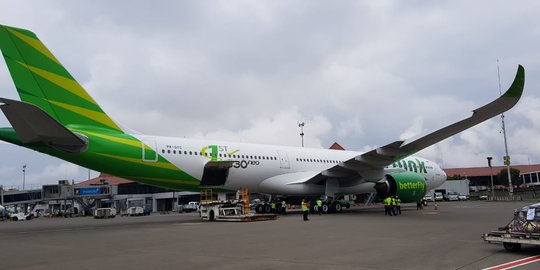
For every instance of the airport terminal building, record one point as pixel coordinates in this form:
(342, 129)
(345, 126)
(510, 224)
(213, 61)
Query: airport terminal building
(111, 191)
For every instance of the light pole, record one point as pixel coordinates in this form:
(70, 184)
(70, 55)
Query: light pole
(23, 175)
(301, 125)
(491, 174)
(506, 157)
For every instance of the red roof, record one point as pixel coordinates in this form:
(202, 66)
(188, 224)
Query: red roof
(483, 171)
(113, 180)
(336, 146)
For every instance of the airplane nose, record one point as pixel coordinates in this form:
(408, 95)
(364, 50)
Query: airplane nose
(441, 177)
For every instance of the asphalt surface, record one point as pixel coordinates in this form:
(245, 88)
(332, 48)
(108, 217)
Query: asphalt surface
(358, 238)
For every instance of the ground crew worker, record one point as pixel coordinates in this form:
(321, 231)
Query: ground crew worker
(305, 209)
(283, 207)
(319, 206)
(398, 205)
(273, 206)
(387, 203)
(393, 205)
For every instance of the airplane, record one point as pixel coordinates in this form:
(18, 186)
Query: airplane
(56, 116)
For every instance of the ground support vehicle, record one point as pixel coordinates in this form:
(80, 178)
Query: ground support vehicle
(105, 213)
(189, 207)
(452, 197)
(523, 229)
(230, 211)
(19, 216)
(136, 211)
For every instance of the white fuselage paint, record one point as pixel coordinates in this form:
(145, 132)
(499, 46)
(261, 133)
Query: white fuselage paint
(259, 167)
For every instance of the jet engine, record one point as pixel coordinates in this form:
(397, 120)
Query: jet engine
(408, 186)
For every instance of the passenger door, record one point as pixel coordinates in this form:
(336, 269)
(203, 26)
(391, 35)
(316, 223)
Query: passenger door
(148, 152)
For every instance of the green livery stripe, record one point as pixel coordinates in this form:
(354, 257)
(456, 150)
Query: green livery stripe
(99, 117)
(68, 84)
(34, 43)
(159, 164)
(131, 141)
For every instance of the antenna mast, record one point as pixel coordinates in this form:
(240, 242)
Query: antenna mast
(301, 126)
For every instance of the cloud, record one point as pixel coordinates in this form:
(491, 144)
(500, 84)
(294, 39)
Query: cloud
(281, 129)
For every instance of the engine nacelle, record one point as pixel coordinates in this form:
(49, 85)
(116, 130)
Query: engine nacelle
(408, 186)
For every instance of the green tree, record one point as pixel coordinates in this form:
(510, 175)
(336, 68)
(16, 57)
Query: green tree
(454, 177)
(502, 177)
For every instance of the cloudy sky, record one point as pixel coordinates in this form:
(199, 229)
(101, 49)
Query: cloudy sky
(361, 73)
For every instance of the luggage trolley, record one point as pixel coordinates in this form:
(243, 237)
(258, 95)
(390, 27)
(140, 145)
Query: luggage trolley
(524, 228)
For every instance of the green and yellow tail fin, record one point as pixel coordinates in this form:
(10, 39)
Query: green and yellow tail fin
(41, 80)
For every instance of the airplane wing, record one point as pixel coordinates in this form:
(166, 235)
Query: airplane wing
(371, 163)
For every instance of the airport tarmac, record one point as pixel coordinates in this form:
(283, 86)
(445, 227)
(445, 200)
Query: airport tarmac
(358, 238)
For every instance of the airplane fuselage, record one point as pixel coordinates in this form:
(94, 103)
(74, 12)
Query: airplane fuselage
(252, 165)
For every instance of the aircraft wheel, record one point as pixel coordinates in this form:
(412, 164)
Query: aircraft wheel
(325, 209)
(337, 207)
(512, 247)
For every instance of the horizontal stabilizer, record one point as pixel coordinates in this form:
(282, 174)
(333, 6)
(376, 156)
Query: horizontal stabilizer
(33, 125)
